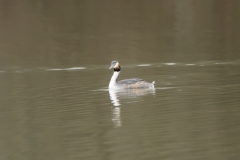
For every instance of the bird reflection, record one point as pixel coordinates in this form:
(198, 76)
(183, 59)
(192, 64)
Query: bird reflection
(116, 116)
(116, 95)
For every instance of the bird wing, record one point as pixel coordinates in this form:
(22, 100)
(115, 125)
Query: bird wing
(130, 81)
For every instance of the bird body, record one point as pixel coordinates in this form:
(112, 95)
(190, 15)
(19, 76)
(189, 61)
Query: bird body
(133, 83)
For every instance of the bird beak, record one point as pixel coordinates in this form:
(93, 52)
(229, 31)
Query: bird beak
(111, 66)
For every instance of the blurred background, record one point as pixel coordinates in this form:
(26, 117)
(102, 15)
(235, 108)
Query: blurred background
(54, 60)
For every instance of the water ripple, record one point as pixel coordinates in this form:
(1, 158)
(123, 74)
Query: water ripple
(65, 69)
(188, 64)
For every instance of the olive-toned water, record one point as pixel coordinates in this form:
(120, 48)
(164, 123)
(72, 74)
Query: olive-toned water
(54, 60)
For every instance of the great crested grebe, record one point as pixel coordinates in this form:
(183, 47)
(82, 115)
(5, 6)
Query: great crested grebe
(126, 83)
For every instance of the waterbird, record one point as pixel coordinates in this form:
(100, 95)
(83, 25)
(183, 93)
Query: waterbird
(133, 83)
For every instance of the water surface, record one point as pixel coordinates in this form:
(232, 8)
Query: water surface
(54, 60)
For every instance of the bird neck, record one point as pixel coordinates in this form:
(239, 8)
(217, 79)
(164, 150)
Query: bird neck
(114, 78)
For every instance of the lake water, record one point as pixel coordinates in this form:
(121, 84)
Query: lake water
(54, 98)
